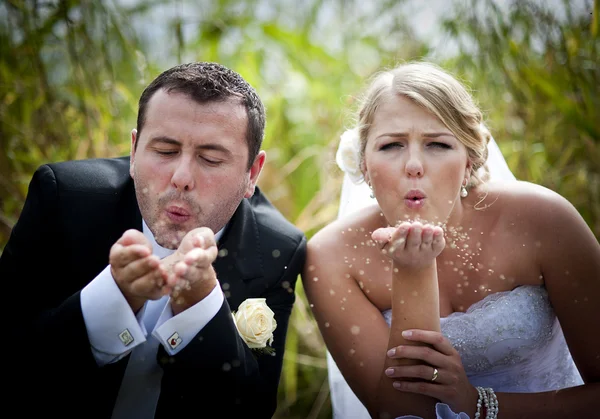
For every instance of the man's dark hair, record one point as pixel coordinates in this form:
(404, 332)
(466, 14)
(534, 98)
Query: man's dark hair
(205, 83)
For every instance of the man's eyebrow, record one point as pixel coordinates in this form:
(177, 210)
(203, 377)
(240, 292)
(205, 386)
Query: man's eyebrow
(164, 139)
(210, 146)
(215, 147)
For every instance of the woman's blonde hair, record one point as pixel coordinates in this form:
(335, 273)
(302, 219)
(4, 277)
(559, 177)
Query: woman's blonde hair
(432, 88)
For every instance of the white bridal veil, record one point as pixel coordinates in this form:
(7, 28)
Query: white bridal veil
(353, 197)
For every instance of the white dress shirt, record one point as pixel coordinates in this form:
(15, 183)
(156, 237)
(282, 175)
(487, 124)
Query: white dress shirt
(114, 331)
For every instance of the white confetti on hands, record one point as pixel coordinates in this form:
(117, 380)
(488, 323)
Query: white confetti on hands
(411, 244)
(195, 266)
(191, 275)
(135, 270)
(200, 238)
(191, 253)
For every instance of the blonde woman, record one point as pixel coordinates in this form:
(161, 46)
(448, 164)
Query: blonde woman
(450, 295)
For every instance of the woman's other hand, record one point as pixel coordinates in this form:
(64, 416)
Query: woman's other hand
(439, 374)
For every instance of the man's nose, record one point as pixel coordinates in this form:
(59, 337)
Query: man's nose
(183, 178)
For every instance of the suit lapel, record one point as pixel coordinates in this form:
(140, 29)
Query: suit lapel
(239, 259)
(134, 219)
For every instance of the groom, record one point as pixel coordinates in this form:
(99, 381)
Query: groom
(126, 271)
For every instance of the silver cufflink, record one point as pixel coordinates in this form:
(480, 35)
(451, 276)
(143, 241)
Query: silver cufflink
(126, 337)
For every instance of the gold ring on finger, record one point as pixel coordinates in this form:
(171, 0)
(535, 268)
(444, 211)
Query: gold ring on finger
(435, 375)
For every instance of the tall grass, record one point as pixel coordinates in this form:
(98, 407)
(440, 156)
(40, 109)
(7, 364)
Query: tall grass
(71, 72)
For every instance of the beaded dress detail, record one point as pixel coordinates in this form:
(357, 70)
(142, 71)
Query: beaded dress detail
(512, 341)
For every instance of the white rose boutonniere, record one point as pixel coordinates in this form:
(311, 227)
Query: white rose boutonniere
(255, 323)
(347, 155)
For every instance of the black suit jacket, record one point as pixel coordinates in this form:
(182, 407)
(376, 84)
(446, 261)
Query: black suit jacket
(73, 214)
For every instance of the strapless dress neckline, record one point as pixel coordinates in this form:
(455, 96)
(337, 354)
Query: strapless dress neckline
(511, 341)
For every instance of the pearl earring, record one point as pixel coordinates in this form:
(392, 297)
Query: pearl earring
(463, 192)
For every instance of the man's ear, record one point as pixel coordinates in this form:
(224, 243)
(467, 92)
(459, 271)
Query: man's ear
(254, 172)
(132, 151)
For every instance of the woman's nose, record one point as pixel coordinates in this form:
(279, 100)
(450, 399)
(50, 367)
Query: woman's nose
(414, 165)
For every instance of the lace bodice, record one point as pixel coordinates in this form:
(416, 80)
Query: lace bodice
(512, 341)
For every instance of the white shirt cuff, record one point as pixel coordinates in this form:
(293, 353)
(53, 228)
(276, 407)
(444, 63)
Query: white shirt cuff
(112, 327)
(174, 333)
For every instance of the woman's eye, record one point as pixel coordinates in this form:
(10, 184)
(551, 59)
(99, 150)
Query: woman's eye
(436, 144)
(390, 146)
(166, 152)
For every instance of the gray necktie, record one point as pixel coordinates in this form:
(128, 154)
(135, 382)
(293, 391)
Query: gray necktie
(140, 387)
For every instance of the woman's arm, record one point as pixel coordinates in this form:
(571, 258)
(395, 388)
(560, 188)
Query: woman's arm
(354, 329)
(568, 255)
(413, 248)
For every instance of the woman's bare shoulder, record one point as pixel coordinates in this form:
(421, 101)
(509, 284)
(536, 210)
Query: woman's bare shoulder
(521, 198)
(346, 230)
(529, 208)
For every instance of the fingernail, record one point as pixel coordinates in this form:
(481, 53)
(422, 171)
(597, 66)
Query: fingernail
(397, 384)
(389, 371)
(407, 333)
(391, 352)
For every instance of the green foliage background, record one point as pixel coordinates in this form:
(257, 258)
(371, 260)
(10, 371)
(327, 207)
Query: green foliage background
(71, 73)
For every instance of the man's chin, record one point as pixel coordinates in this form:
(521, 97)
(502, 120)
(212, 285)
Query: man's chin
(172, 245)
(170, 240)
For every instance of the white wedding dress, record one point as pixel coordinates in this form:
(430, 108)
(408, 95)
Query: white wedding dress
(510, 341)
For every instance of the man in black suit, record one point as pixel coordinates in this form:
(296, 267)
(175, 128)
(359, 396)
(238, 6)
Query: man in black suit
(128, 269)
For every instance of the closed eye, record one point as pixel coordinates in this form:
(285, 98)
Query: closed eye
(211, 162)
(389, 146)
(166, 152)
(436, 144)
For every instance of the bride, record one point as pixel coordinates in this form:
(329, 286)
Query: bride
(449, 293)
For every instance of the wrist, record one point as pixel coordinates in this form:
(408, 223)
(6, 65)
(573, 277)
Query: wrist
(183, 299)
(471, 407)
(136, 303)
(414, 272)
